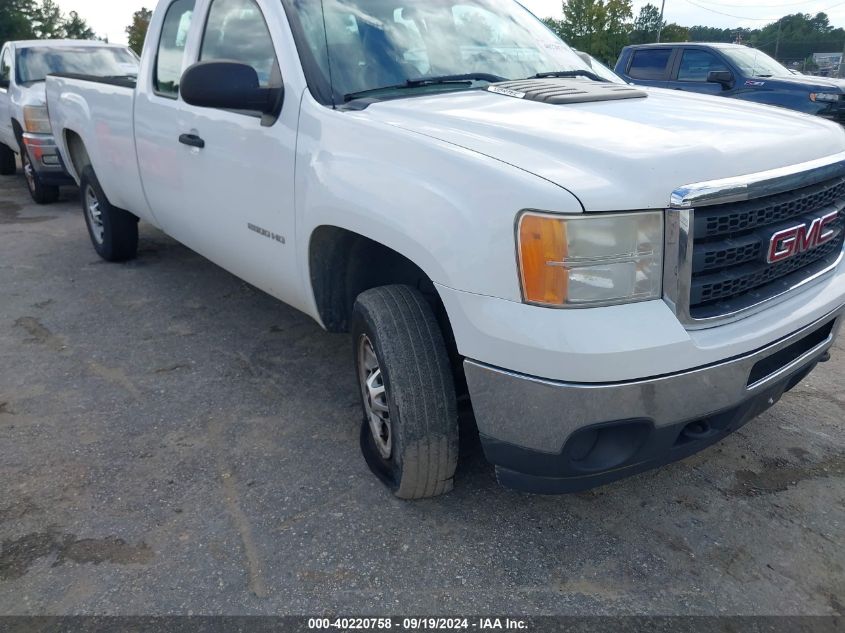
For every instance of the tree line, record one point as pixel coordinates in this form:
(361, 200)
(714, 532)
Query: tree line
(603, 27)
(599, 27)
(44, 20)
(33, 20)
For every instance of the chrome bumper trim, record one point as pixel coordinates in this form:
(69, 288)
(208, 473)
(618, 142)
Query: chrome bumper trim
(43, 145)
(541, 415)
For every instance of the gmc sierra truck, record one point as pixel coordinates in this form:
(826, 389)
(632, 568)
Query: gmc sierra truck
(614, 277)
(24, 125)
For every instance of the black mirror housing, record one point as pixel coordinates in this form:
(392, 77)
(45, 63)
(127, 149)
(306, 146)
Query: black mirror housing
(5, 84)
(229, 85)
(724, 78)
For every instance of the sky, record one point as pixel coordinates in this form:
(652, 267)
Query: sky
(111, 17)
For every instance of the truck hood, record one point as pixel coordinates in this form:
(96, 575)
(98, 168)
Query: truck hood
(801, 82)
(620, 155)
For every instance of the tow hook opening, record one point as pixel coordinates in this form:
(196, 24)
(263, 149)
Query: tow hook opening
(695, 432)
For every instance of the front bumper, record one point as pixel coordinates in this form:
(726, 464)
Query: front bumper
(46, 160)
(552, 437)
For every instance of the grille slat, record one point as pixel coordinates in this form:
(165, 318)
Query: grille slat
(731, 241)
(737, 218)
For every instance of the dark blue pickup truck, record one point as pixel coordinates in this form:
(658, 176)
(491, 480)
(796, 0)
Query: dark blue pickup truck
(732, 70)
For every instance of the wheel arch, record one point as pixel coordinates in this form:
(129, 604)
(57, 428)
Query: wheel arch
(17, 130)
(78, 155)
(343, 264)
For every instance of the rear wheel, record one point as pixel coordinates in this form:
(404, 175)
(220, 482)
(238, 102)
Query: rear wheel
(409, 435)
(113, 231)
(8, 166)
(41, 193)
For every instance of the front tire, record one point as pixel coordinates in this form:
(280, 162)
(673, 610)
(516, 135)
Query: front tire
(41, 193)
(409, 436)
(113, 231)
(8, 164)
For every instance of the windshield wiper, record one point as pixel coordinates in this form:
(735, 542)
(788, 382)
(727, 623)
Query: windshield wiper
(562, 74)
(428, 81)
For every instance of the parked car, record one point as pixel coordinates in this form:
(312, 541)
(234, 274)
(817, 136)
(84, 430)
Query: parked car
(732, 70)
(617, 279)
(24, 126)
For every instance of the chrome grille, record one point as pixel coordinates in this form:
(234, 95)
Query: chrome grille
(730, 243)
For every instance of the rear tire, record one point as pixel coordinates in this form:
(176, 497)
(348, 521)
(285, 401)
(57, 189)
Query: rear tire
(113, 231)
(8, 164)
(409, 436)
(41, 193)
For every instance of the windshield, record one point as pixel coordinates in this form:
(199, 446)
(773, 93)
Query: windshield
(600, 69)
(755, 63)
(380, 43)
(34, 64)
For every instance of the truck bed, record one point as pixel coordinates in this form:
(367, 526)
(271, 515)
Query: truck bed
(100, 112)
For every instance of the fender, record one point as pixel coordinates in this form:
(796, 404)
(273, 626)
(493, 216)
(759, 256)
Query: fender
(419, 196)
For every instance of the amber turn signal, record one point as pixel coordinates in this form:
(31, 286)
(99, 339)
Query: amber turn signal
(542, 251)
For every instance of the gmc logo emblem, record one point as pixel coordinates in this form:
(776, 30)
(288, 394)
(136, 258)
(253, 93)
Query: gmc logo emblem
(800, 239)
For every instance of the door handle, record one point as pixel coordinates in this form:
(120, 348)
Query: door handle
(192, 140)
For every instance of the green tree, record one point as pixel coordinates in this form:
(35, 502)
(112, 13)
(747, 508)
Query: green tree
(714, 34)
(29, 19)
(48, 20)
(582, 19)
(554, 25)
(616, 30)
(15, 23)
(137, 31)
(675, 33)
(798, 36)
(597, 27)
(75, 28)
(646, 26)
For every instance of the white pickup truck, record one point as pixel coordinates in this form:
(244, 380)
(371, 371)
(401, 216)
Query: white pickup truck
(615, 277)
(24, 125)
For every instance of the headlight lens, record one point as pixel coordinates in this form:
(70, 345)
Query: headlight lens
(36, 120)
(824, 96)
(591, 260)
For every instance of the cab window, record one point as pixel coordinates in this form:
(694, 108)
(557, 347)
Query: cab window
(696, 65)
(171, 48)
(236, 31)
(5, 68)
(650, 63)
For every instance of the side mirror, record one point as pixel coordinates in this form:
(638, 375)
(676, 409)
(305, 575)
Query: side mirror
(229, 86)
(5, 83)
(724, 78)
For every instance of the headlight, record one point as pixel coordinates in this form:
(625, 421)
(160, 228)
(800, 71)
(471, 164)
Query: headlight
(36, 120)
(590, 260)
(824, 96)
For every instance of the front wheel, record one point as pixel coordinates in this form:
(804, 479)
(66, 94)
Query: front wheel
(41, 193)
(409, 436)
(113, 231)
(8, 165)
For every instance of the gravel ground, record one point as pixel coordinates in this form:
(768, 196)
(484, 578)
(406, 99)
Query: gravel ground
(173, 441)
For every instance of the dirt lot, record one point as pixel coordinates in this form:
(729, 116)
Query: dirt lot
(174, 441)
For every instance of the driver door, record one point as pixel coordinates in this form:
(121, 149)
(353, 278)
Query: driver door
(694, 67)
(239, 210)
